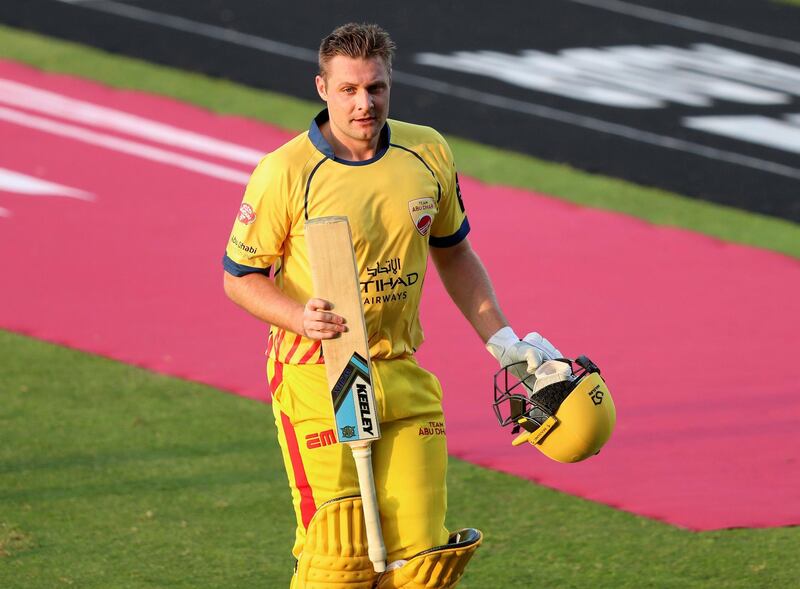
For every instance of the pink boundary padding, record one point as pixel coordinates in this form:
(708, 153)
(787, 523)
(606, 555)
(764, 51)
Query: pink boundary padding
(695, 336)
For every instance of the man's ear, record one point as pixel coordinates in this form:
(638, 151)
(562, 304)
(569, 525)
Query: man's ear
(320, 82)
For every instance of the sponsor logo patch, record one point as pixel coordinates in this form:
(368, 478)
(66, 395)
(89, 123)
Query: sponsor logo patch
(388, 283)
(320, 439)
(458, 195)
(353, 402)
(422, 211)
(432, 428)
(596, 395)
(246, 214)
(243, 246)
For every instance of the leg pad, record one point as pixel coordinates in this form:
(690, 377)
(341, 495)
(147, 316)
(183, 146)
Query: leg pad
(436, 568)
(335, 552)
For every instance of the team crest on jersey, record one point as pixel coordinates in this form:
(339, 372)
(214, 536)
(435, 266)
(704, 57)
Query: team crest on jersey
(246, 214)
(422, 211)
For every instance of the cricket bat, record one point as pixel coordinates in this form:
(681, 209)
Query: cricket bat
(334, 274)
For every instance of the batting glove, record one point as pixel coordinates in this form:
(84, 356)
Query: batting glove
(533, 350)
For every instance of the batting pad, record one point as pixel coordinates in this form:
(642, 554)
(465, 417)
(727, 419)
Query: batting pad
(437, 568)
(335, 552)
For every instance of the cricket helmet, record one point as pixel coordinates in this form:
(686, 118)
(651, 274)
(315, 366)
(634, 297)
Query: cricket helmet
(564, 408)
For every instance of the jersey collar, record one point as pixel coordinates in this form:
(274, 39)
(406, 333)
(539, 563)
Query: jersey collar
(319, 141)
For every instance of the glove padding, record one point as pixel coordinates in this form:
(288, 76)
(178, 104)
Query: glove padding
(533, 349)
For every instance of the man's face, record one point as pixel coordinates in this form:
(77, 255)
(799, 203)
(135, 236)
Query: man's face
(357, 93)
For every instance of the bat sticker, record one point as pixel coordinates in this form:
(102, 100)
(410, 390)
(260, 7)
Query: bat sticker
(352, 402)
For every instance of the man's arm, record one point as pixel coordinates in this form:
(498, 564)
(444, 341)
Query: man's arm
(259, 296)
(468, 284)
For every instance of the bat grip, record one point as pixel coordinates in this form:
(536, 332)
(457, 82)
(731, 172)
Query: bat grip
(362, 454)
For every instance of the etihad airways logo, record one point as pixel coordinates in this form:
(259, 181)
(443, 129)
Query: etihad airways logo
(387, 283)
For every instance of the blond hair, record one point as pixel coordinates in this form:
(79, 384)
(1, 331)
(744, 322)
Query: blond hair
(358, 41)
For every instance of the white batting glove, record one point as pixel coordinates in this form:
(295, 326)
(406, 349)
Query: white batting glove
(508, 349)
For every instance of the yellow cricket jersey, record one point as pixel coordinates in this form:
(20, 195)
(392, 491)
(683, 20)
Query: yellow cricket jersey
(398, 203)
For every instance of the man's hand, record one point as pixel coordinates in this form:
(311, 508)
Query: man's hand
(508, 349)
(319, 322)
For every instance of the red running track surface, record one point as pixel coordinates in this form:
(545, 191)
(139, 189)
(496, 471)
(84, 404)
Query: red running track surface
(119, 255)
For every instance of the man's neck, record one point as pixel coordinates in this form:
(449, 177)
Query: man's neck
(350, 149)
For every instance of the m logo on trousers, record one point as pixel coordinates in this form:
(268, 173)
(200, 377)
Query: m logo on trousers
(320, 439)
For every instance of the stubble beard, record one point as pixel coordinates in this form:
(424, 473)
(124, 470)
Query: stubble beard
(360, 133)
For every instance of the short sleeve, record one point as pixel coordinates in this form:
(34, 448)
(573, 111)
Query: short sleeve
(262, 222)
(451, 225)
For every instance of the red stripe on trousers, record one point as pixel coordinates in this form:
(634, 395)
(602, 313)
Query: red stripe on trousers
(276, 378)
(311, 351)
(279, 343)
(293, 349)
(307, 505)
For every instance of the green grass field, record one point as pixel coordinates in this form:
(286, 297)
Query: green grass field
(114, 477)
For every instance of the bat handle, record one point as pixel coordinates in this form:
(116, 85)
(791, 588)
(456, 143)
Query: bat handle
(362, 454)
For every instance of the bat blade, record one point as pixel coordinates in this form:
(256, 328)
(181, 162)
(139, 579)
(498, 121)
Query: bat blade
(334, 274)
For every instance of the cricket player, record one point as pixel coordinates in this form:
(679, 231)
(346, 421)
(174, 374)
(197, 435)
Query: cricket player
(397, 184)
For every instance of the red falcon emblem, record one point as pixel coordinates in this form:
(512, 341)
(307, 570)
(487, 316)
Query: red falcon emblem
(424, 224)
(246, 214)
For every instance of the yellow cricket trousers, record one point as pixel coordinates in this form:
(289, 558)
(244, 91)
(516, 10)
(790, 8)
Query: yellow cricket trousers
(409, 461)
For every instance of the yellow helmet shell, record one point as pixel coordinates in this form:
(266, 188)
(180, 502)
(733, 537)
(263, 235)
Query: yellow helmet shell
(584, 422)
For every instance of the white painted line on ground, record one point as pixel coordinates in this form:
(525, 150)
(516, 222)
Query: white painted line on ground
(124, 146)
(451, 90)
(634, 76)
(11, 181)
(199, 28)
(56, 105)
(774, 133)
(694, 24)
(603, 126)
